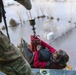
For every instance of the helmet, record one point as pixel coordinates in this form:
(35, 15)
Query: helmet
(63, 59)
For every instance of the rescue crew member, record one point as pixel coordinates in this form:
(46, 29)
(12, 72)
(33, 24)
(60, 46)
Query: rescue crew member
(12, 61)
(46, 56)
(57, 60)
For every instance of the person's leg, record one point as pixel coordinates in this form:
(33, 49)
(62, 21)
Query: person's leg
(27, 52)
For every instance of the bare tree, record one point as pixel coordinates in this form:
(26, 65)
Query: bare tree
(20, 17)
(49, 12)
(42, 10)
(38, 12)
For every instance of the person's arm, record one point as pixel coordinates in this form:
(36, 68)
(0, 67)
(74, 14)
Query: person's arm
(37, 63)
(48, 46)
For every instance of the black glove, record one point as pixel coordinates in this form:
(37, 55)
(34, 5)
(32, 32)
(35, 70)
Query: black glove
(49, 63)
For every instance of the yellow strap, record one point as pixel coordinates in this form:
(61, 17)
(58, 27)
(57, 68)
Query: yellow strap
(69, 68)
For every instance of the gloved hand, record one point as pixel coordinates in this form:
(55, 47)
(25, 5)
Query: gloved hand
(51, 58)
(49, 63)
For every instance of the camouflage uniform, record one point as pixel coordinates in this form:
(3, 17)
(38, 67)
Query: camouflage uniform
(12, 62)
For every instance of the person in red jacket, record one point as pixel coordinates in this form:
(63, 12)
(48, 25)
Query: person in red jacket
(57, 60)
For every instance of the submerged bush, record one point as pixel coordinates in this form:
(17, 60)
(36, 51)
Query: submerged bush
(3, 27)
(51, 18)
(58, 19)
(13, 23)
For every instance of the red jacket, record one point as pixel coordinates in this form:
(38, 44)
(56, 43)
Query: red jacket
(39, 64)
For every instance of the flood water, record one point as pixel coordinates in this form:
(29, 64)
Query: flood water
(66, 42)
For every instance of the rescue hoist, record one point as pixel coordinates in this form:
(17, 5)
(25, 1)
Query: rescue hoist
(34, 40)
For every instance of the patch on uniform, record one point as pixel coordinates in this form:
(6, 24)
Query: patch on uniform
(44, 72)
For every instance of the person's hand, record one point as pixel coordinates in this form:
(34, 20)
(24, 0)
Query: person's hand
(52, 59)
(38, 47)
(38, 36)
(49, 63)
